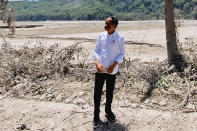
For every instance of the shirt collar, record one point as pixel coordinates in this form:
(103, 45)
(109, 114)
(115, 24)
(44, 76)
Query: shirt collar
(111, 35)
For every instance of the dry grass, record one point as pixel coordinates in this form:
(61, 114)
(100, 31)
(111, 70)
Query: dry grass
(143, 81)
(30, 72)
(35, 64)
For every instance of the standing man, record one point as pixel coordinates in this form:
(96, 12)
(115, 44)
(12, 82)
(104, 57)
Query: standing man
(109, 51)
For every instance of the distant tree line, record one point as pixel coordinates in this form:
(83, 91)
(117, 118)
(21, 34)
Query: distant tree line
(100, 9)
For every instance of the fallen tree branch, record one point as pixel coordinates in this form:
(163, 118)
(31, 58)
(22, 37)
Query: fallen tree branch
(186, 99)
(171, 69)
(81, 124)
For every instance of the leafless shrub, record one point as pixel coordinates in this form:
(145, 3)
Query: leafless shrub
(27, 72)
(152, 78)
(150, 74)
(35, 64)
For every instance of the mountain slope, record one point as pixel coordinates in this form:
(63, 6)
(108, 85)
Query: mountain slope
(100, 9)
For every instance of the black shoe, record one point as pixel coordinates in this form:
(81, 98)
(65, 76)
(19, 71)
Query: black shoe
(110, 117)
(96, 123)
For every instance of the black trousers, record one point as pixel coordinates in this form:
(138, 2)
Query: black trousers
(110, 84)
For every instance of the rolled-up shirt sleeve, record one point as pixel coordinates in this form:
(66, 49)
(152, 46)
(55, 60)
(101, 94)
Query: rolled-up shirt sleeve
(120, 56)
(97, 49)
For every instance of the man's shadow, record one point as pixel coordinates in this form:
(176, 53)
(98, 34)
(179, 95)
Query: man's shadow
(113, 127)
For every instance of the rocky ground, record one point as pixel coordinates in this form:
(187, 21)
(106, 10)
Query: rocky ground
(18, 114)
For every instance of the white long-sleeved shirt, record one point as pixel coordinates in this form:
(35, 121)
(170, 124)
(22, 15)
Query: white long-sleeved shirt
(109, 49)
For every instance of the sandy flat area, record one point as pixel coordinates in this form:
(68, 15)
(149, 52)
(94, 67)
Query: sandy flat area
(144, 39)
(48, 116)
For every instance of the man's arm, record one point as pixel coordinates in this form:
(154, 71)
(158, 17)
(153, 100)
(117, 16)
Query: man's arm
(120, 56)
(96, 56)
(97, 49)
(111, 68)
(99, 67)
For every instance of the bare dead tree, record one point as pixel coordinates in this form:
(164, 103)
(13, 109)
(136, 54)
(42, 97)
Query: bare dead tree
(175, 59)
(10, 21)
(7, 15)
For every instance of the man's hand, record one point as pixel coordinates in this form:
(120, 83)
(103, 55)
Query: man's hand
(99, 67)
(111, 68)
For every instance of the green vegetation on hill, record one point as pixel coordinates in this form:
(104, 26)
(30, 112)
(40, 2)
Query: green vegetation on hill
(100, 9)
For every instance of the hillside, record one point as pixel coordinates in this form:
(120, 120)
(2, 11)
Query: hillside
(99, 9)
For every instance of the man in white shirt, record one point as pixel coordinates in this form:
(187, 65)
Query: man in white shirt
(109, 51)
